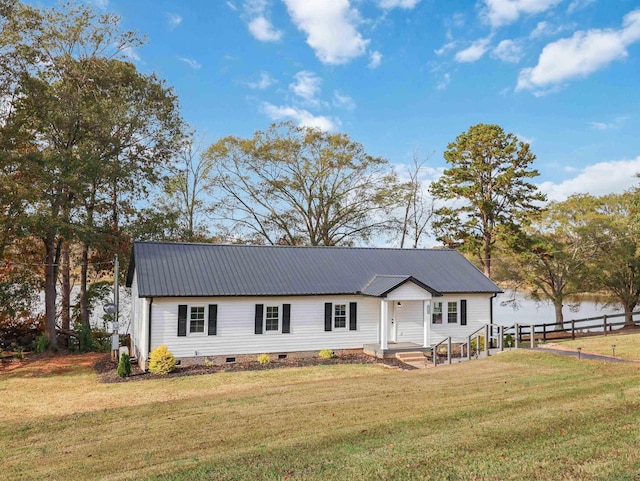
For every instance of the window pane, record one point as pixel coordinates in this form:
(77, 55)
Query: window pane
(271, 319)
(340, 315)
(452, 312)
(437, 313)
(196, 322)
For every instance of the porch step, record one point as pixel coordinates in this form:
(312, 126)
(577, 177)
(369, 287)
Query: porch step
(415, 358)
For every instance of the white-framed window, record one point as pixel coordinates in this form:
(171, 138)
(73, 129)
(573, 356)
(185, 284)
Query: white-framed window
(272, 318)
(437, 313)
(452, 312)
(196, 320)
(340, 316)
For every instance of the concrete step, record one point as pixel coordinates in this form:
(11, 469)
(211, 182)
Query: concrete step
(409, 357)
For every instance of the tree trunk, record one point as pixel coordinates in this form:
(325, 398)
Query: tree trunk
(84, 268)
(628, 318)
(65, 315)
(557, 304)
(52, 255)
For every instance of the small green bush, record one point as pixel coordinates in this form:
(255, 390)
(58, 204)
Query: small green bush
(124, 366)
(264, 359)
(41, 343)
(85, 337)
(161, 361)
(509, 341)
(208, 363)
(18, 353)
(326, 354)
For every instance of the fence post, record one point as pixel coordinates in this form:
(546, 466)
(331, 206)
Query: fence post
(573, 329)
(532, 337)
(486, 339)
(449, 350)
(544, 333)
(469, 348)
(517, 336)
(604, 318)
(435, 356)
(501, 338)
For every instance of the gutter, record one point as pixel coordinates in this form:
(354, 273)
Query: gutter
(491, 307)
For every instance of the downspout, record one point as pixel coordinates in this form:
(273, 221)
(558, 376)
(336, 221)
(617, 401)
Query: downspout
(491, 307)
(149, 324)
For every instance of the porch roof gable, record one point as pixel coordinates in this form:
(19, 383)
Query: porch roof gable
(381, 285)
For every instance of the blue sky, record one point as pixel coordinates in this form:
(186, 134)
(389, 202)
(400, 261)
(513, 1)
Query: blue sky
(400, 75)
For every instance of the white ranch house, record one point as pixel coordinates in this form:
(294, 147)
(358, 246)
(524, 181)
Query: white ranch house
(226, 302)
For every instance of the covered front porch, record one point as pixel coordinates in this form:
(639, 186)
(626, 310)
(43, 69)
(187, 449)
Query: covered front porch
(405, 315)
(394, 348)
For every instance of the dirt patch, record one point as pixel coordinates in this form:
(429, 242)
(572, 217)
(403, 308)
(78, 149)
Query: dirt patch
(106, 368)
(52, 363)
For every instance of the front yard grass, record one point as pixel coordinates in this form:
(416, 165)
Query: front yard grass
(627, 345)
(519, 415)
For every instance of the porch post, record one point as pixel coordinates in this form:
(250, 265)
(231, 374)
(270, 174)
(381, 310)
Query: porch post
(384, 345)
(425, 322)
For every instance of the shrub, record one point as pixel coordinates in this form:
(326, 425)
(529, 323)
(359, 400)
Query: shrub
(326, 354)
(18, 353)
(208, 363)
(264, 359)
(474, 344)
(161, 361)
(85, 337)
(41, 343)
(124, 366)
(509, 341)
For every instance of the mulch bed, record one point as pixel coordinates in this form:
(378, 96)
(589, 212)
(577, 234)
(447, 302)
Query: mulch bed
(106, 368)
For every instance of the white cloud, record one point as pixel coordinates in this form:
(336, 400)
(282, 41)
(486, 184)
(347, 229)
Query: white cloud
(578, 5)
(174, 20)
(304, 118)
(508, 51)
(232, 6)
(614, 124)
(343, 101)
(330, 28)
(445, 48)
(191, 62)
(598, 179)
(474, 52)
(262, 30)
(503, 12)
(306, 85)
(101, 4)
(375, 58)
(581, 54)
(444, 82)
(541, 30)
(525, 139)
(389, 4)
(264, 82)
(130, 53)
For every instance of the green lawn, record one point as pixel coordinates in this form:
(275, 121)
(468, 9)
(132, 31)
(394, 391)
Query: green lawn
(517, 415)
(627, 345)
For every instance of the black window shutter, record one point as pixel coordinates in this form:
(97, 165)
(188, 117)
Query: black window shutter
(328, 307)
(259, 310)
(353, 316)
(213, 320)
(463, 312)
(286, 318)
(182, 320)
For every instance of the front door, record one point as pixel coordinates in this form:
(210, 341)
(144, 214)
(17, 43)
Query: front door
(392, 325)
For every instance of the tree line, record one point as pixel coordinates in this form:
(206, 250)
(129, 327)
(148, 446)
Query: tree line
(95, 154)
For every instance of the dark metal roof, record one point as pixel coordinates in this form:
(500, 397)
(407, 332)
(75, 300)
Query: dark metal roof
(166, 269)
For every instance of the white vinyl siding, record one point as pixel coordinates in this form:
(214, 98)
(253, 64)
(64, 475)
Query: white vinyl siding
(478, 314)
(236, 326)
